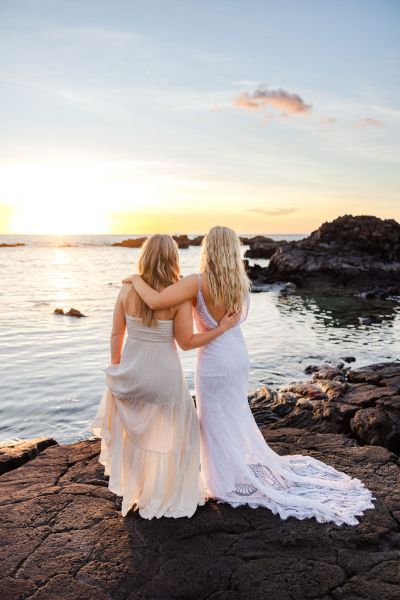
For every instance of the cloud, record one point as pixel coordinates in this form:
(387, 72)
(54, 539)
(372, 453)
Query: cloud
(281, 99)
(278, 212)
(327, 120)
(368, 122)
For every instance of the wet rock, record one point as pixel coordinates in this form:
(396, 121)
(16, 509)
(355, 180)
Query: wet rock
(196, 241)
(12, 245)
(63, 536)
(255, 239)
(379, 293)
(73, 312)
(339, 400)
(378, 427)
(182, 240)
(311, 369)
(349, 359)
(288, 289)
(353, 252)
(263, 248)
(370, 319)
(15, 454)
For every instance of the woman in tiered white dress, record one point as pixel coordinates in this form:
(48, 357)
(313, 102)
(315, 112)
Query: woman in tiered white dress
(146, 419)
(237, 464)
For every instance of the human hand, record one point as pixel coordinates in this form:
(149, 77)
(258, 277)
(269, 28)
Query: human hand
(130, 278)
(230, 320)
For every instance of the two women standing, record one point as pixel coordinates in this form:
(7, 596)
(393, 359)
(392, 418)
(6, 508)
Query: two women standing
(151, 447)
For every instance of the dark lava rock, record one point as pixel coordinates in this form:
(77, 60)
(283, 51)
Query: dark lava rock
(349, 359)
(362, 403)
(355, 252)
(262, 247)
(370, 319)
(182, 240)
(380, 293)
(311, 369)
(16, 454)
(73, 312)
(63, 536)
(196, 241)
(131, 243)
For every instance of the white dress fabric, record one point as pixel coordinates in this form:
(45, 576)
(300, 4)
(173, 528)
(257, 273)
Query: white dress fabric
(148, 426)
(238, 467)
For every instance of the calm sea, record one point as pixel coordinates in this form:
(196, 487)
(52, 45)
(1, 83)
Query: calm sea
(51, 366)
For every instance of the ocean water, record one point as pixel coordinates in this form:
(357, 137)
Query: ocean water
(51, 366)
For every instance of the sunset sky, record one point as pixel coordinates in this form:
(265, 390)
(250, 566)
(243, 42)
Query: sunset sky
(173, 116)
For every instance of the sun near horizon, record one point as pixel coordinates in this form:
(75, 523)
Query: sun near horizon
(137, 121)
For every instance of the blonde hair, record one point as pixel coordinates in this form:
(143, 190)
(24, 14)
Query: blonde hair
(222, 263)
(158, 265)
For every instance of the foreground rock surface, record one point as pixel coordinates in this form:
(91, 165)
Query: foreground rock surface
(63, 536)
(15, 455)
(364, 403)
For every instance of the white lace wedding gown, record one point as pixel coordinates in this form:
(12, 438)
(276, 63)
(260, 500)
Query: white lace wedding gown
(238, 467)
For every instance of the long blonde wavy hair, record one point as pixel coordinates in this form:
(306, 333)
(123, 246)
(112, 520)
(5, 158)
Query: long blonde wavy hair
(158, 265)
(222, 263)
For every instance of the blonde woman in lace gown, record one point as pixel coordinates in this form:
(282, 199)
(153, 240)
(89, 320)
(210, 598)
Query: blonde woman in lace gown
(237, 464)
(146, 419)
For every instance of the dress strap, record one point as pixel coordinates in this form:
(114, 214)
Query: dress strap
(199, 281)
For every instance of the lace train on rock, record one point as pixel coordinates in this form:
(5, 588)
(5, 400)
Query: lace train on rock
(238, 466)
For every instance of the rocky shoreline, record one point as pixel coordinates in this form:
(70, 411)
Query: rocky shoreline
(63, 536)
(356, 253)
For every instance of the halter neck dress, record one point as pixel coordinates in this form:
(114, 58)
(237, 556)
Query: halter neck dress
(148, 426)
(238, 467)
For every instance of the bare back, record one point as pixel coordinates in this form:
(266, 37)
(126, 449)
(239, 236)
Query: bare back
(131, 302)
(217, 312)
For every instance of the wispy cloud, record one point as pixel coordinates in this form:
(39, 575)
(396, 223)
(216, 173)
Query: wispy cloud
(277, 212)
(284, 101)
(327, 120)
(368, 122)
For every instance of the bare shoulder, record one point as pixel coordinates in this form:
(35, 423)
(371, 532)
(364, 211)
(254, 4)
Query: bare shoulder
(125, 290)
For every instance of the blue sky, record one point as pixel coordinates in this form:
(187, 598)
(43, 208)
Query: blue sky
(174, 116)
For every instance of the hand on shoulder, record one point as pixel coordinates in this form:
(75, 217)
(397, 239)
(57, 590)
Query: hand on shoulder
(130, 278)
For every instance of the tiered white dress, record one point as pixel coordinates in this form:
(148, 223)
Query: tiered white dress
(148, 426)
(238, 466)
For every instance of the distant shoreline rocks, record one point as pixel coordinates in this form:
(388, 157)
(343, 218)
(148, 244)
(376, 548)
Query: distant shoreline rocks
(259, 244)
(12, 245)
